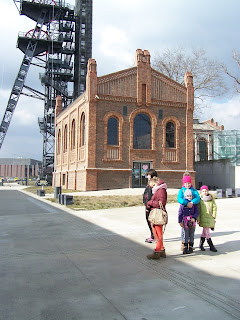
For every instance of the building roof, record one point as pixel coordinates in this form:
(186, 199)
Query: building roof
(207, 125)
(204, 127)
(19, 161)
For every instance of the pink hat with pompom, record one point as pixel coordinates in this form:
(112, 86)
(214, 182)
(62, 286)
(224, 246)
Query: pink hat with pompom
(204, 187)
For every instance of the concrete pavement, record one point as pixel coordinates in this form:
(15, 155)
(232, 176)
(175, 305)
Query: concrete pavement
(57, 263)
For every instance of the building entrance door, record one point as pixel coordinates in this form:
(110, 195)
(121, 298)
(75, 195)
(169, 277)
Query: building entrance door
(139, 174)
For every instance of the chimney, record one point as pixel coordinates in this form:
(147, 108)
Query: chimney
(144, 80)
(188, 80)
(91, 80)
(58, 106)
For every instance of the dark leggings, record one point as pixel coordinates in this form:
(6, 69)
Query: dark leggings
(149, 223)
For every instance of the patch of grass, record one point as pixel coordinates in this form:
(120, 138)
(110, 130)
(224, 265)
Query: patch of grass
(48, 189)
(107, 202)
(33, 189)
(97, 203)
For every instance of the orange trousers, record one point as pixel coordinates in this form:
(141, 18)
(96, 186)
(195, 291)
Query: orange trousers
(158, 235)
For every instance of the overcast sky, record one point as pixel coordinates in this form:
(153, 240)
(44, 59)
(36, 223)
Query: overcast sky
(119, 28)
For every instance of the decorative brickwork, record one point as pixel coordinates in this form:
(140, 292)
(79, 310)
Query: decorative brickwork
(166, 89)
(124, 119)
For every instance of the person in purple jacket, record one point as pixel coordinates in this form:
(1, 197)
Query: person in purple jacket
(187, 219)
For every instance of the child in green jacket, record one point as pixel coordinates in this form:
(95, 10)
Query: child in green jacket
(206, 218)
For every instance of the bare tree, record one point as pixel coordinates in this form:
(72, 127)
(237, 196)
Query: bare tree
(207, 73)
(234, 77)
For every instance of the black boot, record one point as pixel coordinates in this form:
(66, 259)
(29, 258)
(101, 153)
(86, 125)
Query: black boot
(212, 248)
(185, 250)
(190, 249)
(202, 240)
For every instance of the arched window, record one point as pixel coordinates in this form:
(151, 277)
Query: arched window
(82, 130)
(170, 135)
(142, 132)
(65, 139)
(202, 150)
(59, 142)
(73, 135)
(112, 131)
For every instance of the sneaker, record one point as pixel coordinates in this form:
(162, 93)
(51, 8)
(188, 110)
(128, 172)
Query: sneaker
(149, 240)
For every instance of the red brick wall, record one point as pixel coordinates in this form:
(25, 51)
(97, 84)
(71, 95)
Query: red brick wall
(108, 99)
(113, 179)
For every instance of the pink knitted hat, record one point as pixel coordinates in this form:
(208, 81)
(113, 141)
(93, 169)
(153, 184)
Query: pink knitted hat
(186, 179)
(204, 187)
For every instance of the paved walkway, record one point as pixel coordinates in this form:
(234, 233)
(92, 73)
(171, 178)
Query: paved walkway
(57, 263)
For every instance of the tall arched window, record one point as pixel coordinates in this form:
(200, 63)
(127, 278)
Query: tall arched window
(170, 135)
(65, 139)
(73, 135)
(59, 142)
(202, 150)
(142, 132)
(112, 131)
(82, 130)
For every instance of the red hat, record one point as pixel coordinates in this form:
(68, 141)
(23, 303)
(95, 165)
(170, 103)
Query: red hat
(186, 179)
(204, 187)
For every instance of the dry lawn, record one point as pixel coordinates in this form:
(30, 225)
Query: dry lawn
(106, 202)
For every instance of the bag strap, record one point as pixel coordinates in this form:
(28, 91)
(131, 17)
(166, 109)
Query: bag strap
(161, 205)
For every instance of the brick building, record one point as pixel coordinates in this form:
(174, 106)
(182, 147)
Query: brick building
(123, 124)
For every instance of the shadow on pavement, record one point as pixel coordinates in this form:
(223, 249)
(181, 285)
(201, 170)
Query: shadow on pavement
(59, 266)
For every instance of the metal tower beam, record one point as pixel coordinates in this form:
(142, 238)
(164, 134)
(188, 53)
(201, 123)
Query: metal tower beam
(83, 44)
(21, 77)
(65, 42)
(35, 93)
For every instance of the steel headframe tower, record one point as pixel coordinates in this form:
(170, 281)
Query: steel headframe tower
(61, 38)
(83, 44)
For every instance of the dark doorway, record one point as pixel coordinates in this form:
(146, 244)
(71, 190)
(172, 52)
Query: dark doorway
(139, 174)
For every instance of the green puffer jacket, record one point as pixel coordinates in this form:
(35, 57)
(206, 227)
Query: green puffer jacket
(205, 218)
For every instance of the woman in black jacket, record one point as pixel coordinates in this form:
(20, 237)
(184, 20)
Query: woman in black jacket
(147, 195)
